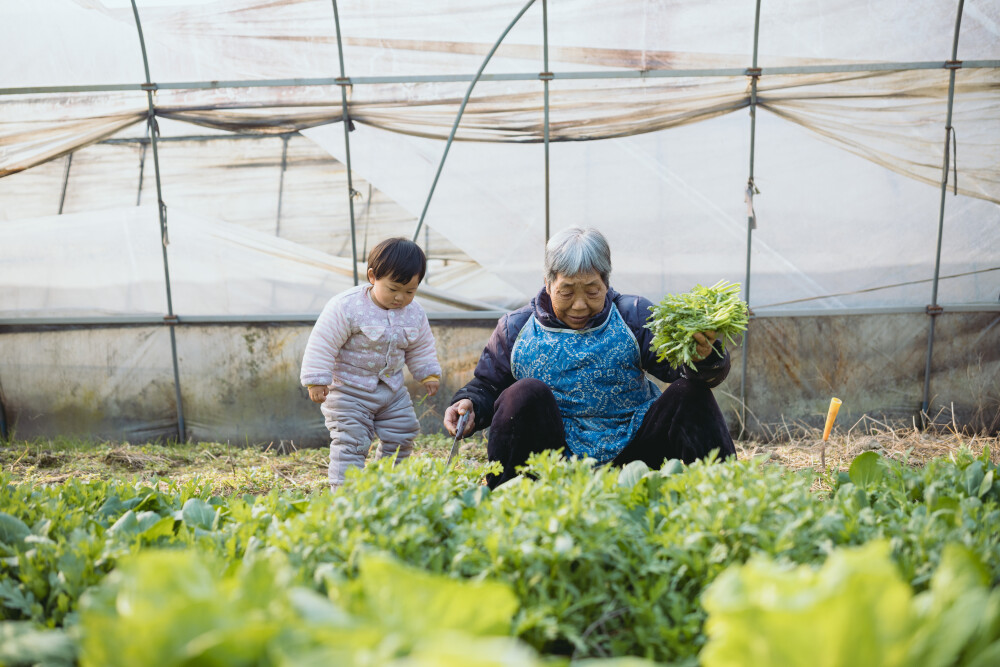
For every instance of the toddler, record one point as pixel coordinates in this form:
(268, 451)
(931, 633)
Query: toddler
(353, 363)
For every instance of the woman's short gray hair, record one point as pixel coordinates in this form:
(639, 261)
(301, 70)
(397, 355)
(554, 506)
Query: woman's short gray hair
(574, 251)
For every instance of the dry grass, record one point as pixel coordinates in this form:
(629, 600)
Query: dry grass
(126, 457)
(799, 447)
(804, 447)
(231, 469)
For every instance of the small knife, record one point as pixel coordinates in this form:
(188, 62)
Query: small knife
(458, 436)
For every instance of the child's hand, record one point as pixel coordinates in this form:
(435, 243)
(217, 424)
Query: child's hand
(432, 387)
(318, 392)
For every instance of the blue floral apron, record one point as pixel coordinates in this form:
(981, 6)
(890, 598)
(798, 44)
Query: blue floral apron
(601, 391)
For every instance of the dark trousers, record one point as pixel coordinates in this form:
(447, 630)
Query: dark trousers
(684, 423)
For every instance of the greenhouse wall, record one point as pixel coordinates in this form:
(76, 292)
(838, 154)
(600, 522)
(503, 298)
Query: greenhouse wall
(239, 383)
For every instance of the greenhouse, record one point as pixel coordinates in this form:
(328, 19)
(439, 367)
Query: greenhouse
(190, 191)
(184, 184)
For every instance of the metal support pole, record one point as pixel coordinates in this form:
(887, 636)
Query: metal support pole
(461, 110)
(751, 222)
(546, 77)
(933, 310)
(281, 182)
(652, 73)
(368, 219)
(170, 318)
(343, 82)
(4, 431)
(142, 169)
(62, 197)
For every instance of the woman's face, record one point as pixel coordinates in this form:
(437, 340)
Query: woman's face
(575, 299)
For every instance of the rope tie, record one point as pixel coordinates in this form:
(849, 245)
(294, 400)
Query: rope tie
(748, 198)
(163, 216)
(951, 161)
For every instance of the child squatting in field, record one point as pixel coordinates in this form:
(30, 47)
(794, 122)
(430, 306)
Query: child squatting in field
(353, 363)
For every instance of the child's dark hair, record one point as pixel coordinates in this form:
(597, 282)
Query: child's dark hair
(399, 259)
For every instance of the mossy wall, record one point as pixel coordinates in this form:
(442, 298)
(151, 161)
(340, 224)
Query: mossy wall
(239, 383)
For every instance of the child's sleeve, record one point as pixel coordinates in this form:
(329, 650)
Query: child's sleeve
(331, 331)
(421, 355)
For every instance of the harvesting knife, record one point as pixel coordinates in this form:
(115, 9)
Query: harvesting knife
(458, 436)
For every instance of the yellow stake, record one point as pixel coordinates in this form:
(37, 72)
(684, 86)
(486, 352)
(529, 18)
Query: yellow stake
(831, 415)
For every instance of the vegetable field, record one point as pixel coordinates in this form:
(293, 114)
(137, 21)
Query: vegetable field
(212, 555)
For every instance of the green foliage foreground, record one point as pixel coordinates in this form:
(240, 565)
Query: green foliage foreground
(422, 565)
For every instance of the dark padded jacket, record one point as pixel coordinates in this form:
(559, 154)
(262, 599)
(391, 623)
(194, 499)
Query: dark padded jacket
(493, 373)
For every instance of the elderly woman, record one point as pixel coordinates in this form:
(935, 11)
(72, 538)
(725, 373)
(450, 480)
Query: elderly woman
(567, 372)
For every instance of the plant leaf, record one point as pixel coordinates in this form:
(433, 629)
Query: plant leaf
(631, 473)
(196, 513)
(12, 530)
(865, 470)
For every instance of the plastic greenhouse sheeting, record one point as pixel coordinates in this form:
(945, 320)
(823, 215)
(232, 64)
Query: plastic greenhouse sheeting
(217, 268)
(847, 161)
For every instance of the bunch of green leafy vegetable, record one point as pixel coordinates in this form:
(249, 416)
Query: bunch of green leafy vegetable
(678, 317)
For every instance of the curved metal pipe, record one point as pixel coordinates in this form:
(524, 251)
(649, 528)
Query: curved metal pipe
(281, 183)
(346, 121)
(151, 123)
(547, 74)
(751, 223)
(933, 310)
(461, 110)
(65, 185)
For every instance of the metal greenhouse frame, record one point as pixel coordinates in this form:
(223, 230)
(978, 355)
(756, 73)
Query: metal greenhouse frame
(753, 74)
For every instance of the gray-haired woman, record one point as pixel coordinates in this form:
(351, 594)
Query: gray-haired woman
(567, 372)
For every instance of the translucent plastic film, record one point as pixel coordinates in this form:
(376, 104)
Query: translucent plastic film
(885, 116)
(649, 122)
(112, 262)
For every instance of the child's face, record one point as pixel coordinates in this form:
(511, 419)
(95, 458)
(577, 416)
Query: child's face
(389, 294)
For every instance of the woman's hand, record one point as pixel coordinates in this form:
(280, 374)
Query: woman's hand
(318, 392)
(704, 340)
(455, 411)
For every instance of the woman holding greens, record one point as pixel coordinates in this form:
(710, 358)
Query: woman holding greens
(567, 372)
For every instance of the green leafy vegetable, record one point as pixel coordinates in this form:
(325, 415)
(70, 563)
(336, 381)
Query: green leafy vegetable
(854, 610)
(865, 471)
(12, 530)
(632, 473)
(181, 607)
(678, 317)
(601, 561)
(21, 643)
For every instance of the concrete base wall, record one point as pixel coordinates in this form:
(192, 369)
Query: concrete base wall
(875, 364)
(239, 383)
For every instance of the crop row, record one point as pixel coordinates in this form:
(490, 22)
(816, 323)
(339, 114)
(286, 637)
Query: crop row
(571, 561)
